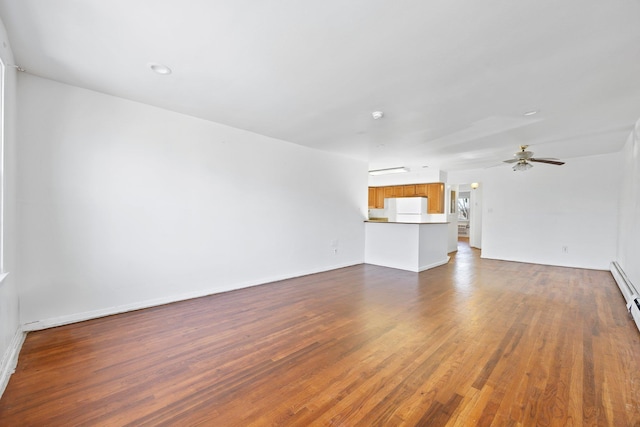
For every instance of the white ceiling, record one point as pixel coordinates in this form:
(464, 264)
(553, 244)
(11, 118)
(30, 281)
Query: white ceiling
(452, 77)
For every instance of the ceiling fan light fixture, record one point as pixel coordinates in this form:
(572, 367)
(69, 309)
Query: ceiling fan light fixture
(522, 166)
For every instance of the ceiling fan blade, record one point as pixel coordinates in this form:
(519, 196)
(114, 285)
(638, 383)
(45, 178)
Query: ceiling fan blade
(511, 161)
(549, 161)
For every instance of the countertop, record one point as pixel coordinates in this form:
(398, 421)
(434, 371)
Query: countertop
(400, 222)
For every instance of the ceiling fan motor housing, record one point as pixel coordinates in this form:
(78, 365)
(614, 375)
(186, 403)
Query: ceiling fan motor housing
(523, 155)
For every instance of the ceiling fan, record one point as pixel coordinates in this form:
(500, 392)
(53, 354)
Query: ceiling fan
(523, 158)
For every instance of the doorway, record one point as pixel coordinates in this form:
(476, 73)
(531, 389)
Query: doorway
(469, 207)
(464, 206)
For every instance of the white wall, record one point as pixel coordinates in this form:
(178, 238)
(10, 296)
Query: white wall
(628, 255)
(10, 332)
(125, 205)
(466, 177)
(530, 216)
(418, 176)
(475, 220)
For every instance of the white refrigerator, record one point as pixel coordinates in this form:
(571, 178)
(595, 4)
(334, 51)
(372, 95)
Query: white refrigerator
(407, 209)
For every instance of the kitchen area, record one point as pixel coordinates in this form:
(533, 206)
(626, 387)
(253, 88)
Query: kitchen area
(408, 226)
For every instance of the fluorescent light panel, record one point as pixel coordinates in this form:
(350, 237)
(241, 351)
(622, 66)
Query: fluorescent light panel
(388, 171)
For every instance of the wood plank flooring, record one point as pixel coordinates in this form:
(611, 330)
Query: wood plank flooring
(474, 342)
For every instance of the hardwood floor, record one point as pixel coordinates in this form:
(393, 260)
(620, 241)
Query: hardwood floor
(474, 342)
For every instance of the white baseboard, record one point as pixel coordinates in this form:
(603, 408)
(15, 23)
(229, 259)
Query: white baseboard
(108, 311)
(10, 359)
(626, 287)
(628, 290)
(634, 310)
(435, 264)
(598, 267)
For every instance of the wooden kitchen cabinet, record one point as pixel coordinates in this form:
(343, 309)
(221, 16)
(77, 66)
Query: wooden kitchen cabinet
(380, 198)
(433, 191)
(372, 197)
(436, 197)
(421, 190)
(409, 190)
(376, 197)
(398, 191)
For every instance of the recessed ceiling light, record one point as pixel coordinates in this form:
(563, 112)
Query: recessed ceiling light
(530, 113)
(160, 69)
(377, 115)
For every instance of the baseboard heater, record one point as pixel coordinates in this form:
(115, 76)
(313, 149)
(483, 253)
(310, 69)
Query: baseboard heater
(629, 291)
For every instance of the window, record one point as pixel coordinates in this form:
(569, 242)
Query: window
(463, 208)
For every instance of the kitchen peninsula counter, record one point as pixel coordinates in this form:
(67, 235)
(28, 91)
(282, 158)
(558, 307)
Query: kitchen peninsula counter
(412, 246)
(404, 222)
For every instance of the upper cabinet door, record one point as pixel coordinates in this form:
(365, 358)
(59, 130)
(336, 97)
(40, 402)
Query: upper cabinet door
(388, 192)
(379, 197)
(409, 190)
(376, 197)
(436, 197)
